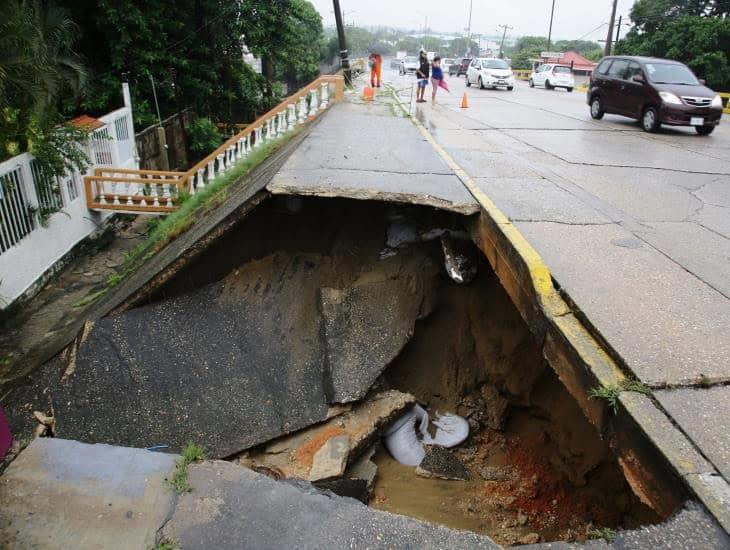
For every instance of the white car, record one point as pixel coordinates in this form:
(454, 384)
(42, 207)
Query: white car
(551, 76)
(490, 72)
(410, 65)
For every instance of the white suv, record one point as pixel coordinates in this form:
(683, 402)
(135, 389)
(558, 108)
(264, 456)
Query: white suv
(488, 72)
(552, 76)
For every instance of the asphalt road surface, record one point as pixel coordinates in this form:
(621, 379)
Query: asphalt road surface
(634, 226)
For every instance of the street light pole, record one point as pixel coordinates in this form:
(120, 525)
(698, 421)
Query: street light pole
(550, 31)
(343, 43)
(611, 23)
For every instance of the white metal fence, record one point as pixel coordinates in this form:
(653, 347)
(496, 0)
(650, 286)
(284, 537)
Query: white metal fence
(42, 217)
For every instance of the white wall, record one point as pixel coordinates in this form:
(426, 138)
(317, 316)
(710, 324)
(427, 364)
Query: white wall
(25, 263)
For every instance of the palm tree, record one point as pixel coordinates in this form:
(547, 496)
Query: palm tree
(37, 66)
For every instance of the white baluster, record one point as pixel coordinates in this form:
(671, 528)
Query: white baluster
(168, 194)
(231, 157)
(114, 192)
(221, 163)
(257, 141)
(130, 187)
(200, 181)
(302, 110)
(102, 193)
(211, 170)
(325, 96)
(241, 147)
(155, 194)
(291, 115)
(313, 105)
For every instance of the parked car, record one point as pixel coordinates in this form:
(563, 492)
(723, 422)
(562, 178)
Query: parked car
(447, 64)
(550, 76)
(395, 63)
(409, 65)
(463, 66)
(653, 91)
(490, 72)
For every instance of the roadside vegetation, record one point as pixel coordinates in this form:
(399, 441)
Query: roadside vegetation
(696, 32)
(179, 479)
(611, 394)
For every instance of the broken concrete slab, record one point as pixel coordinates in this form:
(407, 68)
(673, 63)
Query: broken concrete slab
(364, 468)
(292, 456)
(331, 458)
(334, 161)
(441, 463)
(366, 327)
(215, 364)
(65, 494)
(233, 507)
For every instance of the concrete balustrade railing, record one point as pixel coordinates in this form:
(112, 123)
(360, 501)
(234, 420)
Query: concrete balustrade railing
(294, 111)
(135, 191)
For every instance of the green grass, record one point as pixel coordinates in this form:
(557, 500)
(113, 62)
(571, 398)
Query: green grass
(611, 394)
(90, 299)
(179, 479)
(165, 544)
(605, 533)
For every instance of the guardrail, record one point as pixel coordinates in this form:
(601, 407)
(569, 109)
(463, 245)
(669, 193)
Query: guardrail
(156, 192)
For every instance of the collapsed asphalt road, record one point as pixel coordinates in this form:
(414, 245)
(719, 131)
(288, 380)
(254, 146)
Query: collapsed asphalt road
(263, 352)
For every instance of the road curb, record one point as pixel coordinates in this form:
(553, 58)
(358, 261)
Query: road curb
(652, 451)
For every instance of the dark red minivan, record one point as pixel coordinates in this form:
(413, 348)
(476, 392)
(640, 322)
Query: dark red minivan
(653, 91)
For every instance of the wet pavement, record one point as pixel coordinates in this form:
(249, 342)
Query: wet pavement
(635, 228)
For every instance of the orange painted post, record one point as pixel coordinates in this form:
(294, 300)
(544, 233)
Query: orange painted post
(368, 93)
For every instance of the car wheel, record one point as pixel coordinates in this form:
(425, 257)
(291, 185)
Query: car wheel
(650, 120)
(510, 88)
(531, 83)
(704, 130)
(569, 89)
(468, 82)
(597, 111)
(481, 84)
(548, 86)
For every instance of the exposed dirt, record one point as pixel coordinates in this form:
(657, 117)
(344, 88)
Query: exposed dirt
(538, 466)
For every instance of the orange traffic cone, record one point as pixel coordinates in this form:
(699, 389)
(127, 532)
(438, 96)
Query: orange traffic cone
(465, 102)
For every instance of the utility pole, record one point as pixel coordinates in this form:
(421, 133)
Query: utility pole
(618, 29)
(343, 43)
(550, 31)
(504, 34)
(611, 23)
(468, 32)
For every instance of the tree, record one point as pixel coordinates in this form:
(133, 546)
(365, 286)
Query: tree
(696, 32)
(38, 67)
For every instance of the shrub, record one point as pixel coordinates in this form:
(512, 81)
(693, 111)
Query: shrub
(203, 136)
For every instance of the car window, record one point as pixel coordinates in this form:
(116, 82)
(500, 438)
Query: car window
(603, 66)
(495, 64)
(618, 68)
(671, 73)
(633, 69)
(562, 69)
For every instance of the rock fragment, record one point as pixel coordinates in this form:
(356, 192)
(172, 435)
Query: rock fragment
(331, 459)
(443, 464)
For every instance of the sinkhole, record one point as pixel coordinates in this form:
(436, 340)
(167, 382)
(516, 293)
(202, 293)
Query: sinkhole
(312, 319)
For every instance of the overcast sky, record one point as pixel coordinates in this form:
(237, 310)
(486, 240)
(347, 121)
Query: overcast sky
(573, 18)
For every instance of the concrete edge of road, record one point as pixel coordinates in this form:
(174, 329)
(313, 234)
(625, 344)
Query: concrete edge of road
(651, 449)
